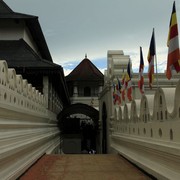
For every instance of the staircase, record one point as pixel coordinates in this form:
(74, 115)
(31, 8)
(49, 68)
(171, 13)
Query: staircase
(83, 167)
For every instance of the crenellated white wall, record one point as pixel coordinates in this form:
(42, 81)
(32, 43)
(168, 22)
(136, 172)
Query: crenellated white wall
(146, 130)
(150, 137)
(27, 129)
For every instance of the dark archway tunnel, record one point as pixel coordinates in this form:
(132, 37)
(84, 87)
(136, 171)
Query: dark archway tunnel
(76, 129)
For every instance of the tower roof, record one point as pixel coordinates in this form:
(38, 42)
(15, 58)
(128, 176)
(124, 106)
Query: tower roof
(19, 54)
(32, 24)
(4, 8)
(85, 71)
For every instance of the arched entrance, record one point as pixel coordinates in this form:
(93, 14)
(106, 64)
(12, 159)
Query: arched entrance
(78, 124)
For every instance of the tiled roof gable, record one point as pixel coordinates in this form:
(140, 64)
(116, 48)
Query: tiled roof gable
(85, 71)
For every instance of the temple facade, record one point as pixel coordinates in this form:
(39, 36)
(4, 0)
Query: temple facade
(84, 83)
(42, 112)
(81, 132)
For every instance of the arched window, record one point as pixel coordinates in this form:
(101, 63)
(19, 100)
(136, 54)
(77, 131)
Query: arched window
(171, 134)
(160, 132)
(145, 118)
(161, 115)
(87, 91)
(151, 132)
(160, 100)
(166, 114)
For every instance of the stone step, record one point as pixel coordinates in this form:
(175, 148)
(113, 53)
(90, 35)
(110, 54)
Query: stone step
(83, 167)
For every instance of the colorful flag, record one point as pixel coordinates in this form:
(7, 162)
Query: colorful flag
(116, 94)
(123, 87)
(128, 82)
(150, 58)
(173, 60)
(119, 85)
(141, 76)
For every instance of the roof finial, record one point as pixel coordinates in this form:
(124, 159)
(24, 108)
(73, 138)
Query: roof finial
(86, 56)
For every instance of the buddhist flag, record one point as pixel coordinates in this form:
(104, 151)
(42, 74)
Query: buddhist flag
(128, 82)
(123, 87)
(118, 88)
(141, 76)
(150, 58)
(116, 94)
(173, 60)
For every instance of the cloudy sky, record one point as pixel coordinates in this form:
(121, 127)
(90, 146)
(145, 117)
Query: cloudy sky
(73, 28)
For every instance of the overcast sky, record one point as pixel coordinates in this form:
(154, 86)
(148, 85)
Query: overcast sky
(73, 28)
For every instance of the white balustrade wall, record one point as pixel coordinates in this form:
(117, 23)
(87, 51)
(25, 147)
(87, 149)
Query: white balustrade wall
(28, 129)
(147, 132)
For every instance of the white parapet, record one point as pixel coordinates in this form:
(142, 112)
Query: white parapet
(27, 129)
(147, 132)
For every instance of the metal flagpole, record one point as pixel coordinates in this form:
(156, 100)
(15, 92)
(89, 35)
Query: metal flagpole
(157, 80)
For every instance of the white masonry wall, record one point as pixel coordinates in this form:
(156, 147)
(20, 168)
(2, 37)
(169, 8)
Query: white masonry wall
(27, 129)
(146, 130)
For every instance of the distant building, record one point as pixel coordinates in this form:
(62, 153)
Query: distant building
(117, 63)
(85, 83)
(79, 122)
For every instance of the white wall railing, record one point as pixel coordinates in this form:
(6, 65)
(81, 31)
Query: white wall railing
(27, 129)
(147, 132)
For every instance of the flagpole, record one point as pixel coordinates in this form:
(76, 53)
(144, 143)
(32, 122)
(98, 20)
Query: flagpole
(157, 80)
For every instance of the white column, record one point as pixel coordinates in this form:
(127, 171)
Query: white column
(100, 89)
(75, 91)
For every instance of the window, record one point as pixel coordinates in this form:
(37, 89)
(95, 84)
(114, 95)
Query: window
(160, 100)
(166, 114)
(161, 115)
(151, 132)
(87, 91)
(171, 134)
(160, 132)
(157, 116)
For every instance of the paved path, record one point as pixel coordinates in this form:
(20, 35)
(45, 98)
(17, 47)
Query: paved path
(83, 167)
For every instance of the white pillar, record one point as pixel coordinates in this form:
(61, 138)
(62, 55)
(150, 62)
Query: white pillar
(100, 89)
(75, 91)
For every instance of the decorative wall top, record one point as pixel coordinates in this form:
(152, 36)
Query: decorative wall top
(165, 100)
(16, 91)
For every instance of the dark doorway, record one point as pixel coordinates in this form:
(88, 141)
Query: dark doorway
(88, 136)
(78, 124)
(87, 91)
(104, 129)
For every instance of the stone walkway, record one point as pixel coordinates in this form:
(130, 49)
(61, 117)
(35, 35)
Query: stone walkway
(83, 167)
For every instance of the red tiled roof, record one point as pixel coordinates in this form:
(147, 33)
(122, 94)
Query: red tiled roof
(85, 71)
